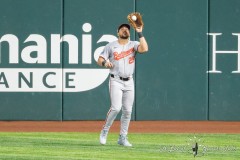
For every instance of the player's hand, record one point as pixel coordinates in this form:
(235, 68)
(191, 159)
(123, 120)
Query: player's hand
(108, 65)
(139, 29)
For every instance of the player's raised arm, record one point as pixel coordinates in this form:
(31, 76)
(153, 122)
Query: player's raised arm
(135, 19)
(143, 46)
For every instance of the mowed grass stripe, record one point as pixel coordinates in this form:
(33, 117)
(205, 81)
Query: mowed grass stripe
(71, 146)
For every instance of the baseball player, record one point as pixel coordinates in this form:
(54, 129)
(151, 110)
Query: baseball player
(119, 57)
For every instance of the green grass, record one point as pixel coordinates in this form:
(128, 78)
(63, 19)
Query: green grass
(72, 146)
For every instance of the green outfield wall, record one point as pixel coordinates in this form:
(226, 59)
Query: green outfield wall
(48, 53)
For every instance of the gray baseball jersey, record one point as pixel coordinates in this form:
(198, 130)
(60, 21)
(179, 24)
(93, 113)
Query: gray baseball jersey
(122, 57)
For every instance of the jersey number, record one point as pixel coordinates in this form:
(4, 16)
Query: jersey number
(131, 59)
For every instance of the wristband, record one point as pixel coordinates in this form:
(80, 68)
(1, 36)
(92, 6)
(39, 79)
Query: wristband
(104, 62)
(140, 34)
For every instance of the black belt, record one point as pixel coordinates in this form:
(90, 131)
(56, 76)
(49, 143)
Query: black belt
(123, 79)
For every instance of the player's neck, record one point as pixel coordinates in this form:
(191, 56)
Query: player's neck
(123, 41)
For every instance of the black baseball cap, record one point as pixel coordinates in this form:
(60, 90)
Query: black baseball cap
(124, 25)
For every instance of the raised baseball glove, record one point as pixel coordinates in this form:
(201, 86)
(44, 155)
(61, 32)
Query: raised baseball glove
(135, 20)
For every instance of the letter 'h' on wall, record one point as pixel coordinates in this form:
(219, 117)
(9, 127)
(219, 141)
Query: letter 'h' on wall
(215, 52)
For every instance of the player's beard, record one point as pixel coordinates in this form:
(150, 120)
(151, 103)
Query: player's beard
(125, 35)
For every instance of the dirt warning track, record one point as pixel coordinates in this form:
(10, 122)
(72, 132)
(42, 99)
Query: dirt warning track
(135, 126)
